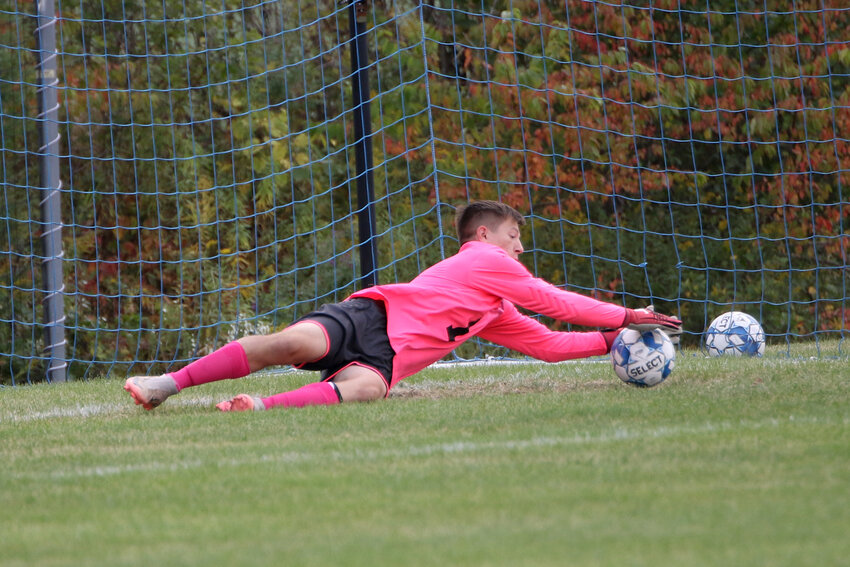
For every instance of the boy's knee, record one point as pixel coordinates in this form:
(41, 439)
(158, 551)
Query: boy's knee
(365, 387)
(372, 391)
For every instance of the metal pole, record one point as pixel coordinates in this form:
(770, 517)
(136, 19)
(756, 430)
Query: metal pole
(363, 143)
(51, 211)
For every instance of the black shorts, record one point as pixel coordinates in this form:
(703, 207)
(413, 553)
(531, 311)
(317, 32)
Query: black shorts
(357, 334)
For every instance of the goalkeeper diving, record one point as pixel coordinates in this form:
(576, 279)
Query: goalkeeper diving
(377, 337)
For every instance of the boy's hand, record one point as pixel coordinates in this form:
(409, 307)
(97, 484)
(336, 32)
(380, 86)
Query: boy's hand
(646, 319)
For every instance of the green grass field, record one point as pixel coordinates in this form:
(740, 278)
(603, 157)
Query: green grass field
(731, 462)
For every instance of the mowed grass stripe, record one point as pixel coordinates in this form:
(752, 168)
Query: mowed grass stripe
(452, 448)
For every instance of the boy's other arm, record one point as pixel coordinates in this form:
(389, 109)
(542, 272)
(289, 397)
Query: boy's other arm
(523, 334)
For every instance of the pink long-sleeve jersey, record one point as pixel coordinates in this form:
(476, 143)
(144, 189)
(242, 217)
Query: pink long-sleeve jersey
(473, 293)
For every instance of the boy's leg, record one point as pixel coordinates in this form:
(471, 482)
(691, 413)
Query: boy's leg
(303, 342)
(297, 344)
(360, 384)
(354, 383)
(230, 361)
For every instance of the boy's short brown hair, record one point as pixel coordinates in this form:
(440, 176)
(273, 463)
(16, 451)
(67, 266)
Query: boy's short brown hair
(488, 213)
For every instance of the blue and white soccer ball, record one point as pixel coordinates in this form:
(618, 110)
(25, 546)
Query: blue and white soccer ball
(735, 333)
(643, 358)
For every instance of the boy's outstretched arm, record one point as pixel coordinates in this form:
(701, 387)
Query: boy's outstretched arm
(495, 271)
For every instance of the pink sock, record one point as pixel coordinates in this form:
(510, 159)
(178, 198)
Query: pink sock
(230, 361)
(317, 394)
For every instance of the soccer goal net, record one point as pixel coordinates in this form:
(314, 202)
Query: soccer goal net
(202, 180)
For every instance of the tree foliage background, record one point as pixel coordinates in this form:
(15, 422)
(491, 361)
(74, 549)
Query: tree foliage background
(671, 155)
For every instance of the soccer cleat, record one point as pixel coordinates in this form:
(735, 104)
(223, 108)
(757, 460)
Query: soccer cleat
(150, 391)
(242, 402)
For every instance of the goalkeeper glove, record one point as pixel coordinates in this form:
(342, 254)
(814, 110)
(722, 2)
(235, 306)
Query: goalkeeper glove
(648, 319)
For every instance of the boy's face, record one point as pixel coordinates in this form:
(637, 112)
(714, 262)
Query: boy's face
(506, 236)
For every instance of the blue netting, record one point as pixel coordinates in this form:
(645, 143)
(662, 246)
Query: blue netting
(691, 155)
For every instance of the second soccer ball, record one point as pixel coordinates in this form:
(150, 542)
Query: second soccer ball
(735, 333)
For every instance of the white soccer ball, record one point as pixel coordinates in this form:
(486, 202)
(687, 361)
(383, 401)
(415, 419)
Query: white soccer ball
(643, 358)
(735, 333)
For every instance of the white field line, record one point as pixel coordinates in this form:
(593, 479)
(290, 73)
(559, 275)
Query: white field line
(430, 450)
(194, 400)
(95, 410)
(492, 361)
